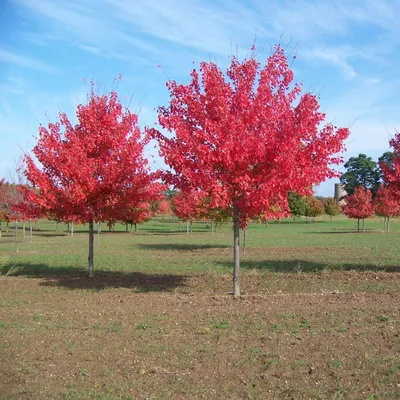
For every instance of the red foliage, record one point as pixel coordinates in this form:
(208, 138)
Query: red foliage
(249, 139)
(386, 202)
(164, 207)
(90, 170)
(359, 205)
(188, 204)
(391, 173)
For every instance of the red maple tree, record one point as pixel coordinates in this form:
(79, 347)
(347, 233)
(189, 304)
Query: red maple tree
(246, 137)
(187, 205)
(89, 170)
(391, 171)
(386, 204)
(359, 205)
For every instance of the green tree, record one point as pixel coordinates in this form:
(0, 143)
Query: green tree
(313, 207)
(385, 159)
(361, 171)
(331, 207)
(296, 205)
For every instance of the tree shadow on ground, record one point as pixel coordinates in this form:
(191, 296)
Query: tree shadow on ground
(76, 278)
(299, 266)
(350, 231)
(50, 234)
(181, 246)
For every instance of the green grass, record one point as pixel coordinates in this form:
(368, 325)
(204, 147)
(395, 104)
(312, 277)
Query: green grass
(160, 247)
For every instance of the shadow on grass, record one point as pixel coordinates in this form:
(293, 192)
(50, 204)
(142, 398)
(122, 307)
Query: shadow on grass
(341, 232)
(49, 234)
(76, 278)
(181, 246)
(298, 266)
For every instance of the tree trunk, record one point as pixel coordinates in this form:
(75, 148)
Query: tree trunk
(191, 227)
(16, 236)
(0, 228)
(363, 225)
(72, 228)
(294, 219)
(244, 240)
(23, 229)
(30, 230)
(126, 227)
(358, 224)
(187, 227)
(180, 226)
(91, 250)
(212, 228)
(387, 224)
(98, 233)
(56, 226)
(135, 228)
(236, 249)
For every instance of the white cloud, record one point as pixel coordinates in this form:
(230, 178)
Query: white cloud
(9, 57)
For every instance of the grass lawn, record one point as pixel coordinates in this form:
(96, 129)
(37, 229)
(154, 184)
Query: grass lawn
(318, 318)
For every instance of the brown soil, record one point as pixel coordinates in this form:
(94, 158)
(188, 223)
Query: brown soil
(321, 336)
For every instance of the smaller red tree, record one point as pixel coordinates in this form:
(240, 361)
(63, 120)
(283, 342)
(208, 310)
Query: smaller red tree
(164, 207)
(359, 205)
(188, 206)
(90, 170)
(386, 204)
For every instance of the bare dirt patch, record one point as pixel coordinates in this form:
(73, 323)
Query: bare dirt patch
(298, 336)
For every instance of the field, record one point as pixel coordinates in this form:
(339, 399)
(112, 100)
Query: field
(318, 318)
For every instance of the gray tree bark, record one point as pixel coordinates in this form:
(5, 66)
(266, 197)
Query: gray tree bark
(16, 236)
(236, 249)
(91, 250)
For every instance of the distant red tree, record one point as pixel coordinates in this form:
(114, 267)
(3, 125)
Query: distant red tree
(359, 205)
(164, 207)
(187, 205)
(89, 170)
(387, 204)
(391, 171)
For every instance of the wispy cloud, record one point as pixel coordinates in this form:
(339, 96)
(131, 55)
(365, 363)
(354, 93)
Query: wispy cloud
(9, 57)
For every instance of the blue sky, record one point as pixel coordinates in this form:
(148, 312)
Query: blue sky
(347, 50)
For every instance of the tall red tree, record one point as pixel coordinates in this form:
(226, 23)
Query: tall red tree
(386, 204)
(391, 171)
(246, 137)
(89, 170)
(359, 205)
